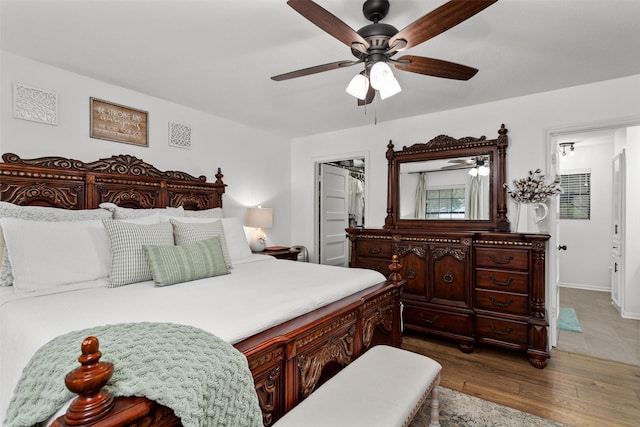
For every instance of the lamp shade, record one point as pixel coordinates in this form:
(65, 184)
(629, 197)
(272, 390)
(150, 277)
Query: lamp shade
(483, 170)
(390, 88)
(260, 217)
(379, 75)
(358, 86)
(382, 79)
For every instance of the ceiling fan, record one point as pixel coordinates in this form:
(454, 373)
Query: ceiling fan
(376, 44)
(477, 165)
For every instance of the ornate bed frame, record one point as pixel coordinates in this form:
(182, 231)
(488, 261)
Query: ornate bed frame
(287, 361)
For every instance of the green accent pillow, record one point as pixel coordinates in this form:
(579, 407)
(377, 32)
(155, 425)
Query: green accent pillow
(182, 263)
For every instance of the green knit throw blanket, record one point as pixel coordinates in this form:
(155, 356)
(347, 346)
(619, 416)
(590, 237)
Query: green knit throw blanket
(206, 381)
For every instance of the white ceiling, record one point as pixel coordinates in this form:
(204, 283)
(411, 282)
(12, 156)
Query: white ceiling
(217, 55)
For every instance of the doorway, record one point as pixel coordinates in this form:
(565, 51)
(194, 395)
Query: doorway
(581, 275)
(340, 203)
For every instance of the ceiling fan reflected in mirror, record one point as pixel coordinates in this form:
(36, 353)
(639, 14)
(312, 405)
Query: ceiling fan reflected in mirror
(476, 165)
(376, 44)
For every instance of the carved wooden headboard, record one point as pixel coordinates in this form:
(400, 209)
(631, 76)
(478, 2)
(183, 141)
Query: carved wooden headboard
(123, 179)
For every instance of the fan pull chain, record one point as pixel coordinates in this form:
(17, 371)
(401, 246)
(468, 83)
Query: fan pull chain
(375, 109)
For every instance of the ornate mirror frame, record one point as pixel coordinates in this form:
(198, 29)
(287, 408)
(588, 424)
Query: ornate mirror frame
(444, 147)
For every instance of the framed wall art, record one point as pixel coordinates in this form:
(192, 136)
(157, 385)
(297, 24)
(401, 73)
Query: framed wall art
(36, 105)
(115, 122)
(179, 135)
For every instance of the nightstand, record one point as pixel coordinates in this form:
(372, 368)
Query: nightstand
(281, 252)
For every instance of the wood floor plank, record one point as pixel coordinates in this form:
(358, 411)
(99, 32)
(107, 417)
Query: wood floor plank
(573, 389)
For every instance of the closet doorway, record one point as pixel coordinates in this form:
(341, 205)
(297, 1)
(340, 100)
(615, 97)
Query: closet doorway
(340, 203)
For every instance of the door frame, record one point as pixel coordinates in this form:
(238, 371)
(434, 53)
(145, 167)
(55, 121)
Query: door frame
(316, 195)
(552, 296)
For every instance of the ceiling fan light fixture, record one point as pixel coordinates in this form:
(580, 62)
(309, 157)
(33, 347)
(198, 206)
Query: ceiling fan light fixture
(383, 81)
(358, 86)
(391, 88)
(380, 74)
(483, 170)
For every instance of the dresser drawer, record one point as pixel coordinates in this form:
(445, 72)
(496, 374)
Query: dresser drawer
(501, 329)
(502, 258)
(456, 323)
(381, 265)
(502, 302)
(502, 280)
(374, 248)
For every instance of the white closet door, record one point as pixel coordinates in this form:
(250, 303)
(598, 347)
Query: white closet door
(334, 215)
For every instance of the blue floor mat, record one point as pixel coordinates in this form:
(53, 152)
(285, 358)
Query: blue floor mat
(568, 321)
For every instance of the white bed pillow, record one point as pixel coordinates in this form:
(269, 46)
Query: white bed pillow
(48, 254)
(154, 218)
(205, 213)
(190, 230)
(128, 262)
(129, 213)
(236, 237)
(39, 213)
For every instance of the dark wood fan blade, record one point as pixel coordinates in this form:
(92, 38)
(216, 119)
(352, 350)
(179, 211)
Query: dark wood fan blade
(434, 67)
(314, 70)
(368, 99)
(440, 20)
(327, 22)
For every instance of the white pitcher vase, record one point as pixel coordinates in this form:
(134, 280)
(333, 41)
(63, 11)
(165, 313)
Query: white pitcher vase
(535, 213)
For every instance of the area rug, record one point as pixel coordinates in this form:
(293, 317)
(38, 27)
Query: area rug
(461, 410)
(568, 320)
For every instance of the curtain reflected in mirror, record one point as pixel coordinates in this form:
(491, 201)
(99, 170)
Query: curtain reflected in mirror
(477, 208)
(421, 197)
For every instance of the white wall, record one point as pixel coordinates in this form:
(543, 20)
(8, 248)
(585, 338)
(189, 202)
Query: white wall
(589, 239)
(247, 156)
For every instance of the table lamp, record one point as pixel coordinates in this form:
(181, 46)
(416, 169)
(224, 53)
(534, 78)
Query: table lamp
(259, 218)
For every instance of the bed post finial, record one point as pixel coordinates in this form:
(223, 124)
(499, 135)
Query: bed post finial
(87, 381)
(395, 267)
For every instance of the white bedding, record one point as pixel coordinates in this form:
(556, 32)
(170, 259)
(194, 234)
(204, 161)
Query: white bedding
(259, 293)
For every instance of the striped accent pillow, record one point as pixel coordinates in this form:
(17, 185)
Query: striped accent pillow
(183, 263)
(128, 262)
(191, 232)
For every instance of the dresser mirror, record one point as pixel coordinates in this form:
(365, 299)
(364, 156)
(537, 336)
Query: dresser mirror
(448, 184)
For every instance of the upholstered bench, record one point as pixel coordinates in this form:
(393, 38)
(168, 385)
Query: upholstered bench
(384, 387)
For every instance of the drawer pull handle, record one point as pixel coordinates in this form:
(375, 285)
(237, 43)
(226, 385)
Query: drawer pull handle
(411, 274)
(448, 277)
(499, 332)
(500, 304)
(506, 260)
(435, 318)
(373, 251)
(499, 283)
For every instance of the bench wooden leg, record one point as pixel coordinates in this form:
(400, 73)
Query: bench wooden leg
(435, 407)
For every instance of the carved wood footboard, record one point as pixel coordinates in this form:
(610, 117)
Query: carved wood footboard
(288, 361)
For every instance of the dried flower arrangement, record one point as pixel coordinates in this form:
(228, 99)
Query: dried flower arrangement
(532, 189)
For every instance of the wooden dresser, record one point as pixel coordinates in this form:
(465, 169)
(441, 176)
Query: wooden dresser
(467, 278)
(473, 287)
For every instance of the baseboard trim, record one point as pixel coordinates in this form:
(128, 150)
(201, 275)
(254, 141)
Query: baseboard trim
(584, 287)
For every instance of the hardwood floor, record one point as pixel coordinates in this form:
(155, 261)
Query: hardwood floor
(573, 389)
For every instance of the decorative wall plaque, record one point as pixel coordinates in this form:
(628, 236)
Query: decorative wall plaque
(36, 105)
(118, 123)
(179, 135)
